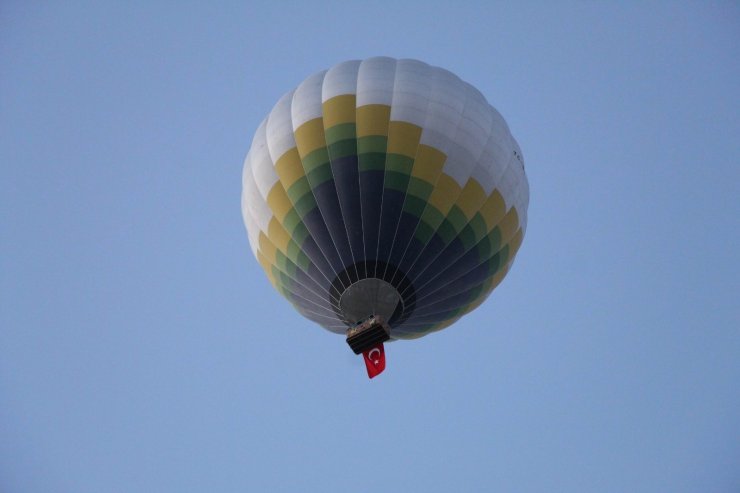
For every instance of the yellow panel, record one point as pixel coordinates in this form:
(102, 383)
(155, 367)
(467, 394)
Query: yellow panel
(267, 248)
(428, 163)
(472, 198)
(403, 138)
(267, 267)
(289, 168)
(442, 325)
(278, 236)
(493, 209)
(478, 301)
(445, 192)
(339, 109)
(516, 242)
(508, 225)
(499, 276)
(278, 201)
(407, 336)
(310, 136)
(372, 119)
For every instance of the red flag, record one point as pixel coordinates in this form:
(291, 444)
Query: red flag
(374, 360)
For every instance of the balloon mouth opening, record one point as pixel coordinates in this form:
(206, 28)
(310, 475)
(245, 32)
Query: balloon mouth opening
(372, 288)
(369, 296)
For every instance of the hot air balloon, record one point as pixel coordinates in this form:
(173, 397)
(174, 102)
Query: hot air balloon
(384, 199)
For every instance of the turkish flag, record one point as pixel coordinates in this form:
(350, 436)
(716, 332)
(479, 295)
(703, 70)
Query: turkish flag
(374, 360)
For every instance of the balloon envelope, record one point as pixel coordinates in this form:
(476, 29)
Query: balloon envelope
(385, 187)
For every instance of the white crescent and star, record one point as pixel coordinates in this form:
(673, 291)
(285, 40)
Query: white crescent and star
(374, 358)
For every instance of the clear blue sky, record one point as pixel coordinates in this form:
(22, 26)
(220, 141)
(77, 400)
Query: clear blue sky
(143, 350)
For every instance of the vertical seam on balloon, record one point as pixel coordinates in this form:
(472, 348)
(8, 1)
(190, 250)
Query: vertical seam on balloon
(321, 212)
(332, 317)
(336, 191)
(359, 175)
(400, 216)
(405, 195)
(382, 189)
(382, 193)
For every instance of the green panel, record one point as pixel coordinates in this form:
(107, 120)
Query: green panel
(294, 250)
(371, 144)
(291, 222)
(432, 216)
(399, 163)
(343, 131)
(314, 159)
(320, 175)
(305, 204)
(457, 218)
(290, 268)
(276, 275)
(436, 217)
(281, 260)
(300, 188)
(414, 205)
(300, 233)
(370, 161)
(281, 278)
(290, 255)
(302, 261)
(423, 232)
(396, 181)
(343, 148)
(446, 231)
(489, 244)
(420, 188)
(473, 295)
(495, 263)
(478, 225)
(467, 238)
